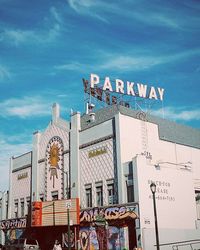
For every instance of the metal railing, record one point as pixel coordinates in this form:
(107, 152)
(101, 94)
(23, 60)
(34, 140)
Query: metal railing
(190, 244)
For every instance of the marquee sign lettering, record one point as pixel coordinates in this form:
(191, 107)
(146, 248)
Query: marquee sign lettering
(97, 152)
(13, 223)
(102, 89)
(22, 176)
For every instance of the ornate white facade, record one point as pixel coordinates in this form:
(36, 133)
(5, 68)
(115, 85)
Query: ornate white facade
(111, 160)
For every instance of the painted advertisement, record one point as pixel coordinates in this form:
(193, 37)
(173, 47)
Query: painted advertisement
(92, 238)
(174, 195)
(109, 213)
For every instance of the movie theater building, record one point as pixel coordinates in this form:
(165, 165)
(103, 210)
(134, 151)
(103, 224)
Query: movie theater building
(104, 162)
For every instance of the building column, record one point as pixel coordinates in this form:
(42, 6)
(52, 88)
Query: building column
(120, 174)
(10, 203)
(3, 208)
(35, 172)
(74, 156)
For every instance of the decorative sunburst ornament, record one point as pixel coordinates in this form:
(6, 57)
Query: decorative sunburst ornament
(54, 157)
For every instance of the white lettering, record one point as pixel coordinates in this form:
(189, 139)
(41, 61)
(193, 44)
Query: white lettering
(139, 89)
(130, 90)
(107, 84)
(161, 93)
(94, 79)
(152, 93)
(119, 86)
(142, 90)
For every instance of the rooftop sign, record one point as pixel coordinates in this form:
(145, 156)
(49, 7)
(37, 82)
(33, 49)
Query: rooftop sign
(127, 88)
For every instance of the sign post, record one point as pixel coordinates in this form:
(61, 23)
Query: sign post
(68, 205)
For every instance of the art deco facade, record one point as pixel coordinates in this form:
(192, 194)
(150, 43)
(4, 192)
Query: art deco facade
(107, 160)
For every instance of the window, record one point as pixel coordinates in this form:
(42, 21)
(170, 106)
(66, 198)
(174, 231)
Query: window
(6, 209)
(28, 203)
(54, 195)
(88, 191)
(197, 197)
(22, 208)
(16, 208)
(41, 197)
(110, 188)
(130, 190)
(99, 196)
(31, 242)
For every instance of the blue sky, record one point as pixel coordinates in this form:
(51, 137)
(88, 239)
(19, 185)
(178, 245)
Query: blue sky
(48, 46)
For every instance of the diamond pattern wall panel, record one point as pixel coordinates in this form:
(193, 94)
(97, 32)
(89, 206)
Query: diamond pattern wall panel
(50, 132)
(96, 168)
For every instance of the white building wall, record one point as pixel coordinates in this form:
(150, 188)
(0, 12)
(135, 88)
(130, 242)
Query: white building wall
(175, 197)
(96, 169)
(3, 212)
(21, 161)
(42, 174)
(161, 151)
(20, 189)
(133, 142)
(175, 201)
(96, 132)
(169, 239)
(74, 159)
(134, 137)
(44, 183)
(141, 139)
(129, 137)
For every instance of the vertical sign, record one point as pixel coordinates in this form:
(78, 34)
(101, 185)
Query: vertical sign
(37, 214)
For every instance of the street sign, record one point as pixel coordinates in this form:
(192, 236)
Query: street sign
(68, 204)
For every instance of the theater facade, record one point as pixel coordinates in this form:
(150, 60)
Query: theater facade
(86, 182)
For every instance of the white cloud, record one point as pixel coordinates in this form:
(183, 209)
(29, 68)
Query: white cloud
(24, 107)
(154, 15)
(78, 5)
(42, 36)
(135, 62)
(51, 35)
(89, 8)
(131, 62)
(7, 150)
(157, 17)
(55, 14)
(76, 66)
(18, 37)
(168, 18)
(114, 63)
(183, 114)
(4, 73)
